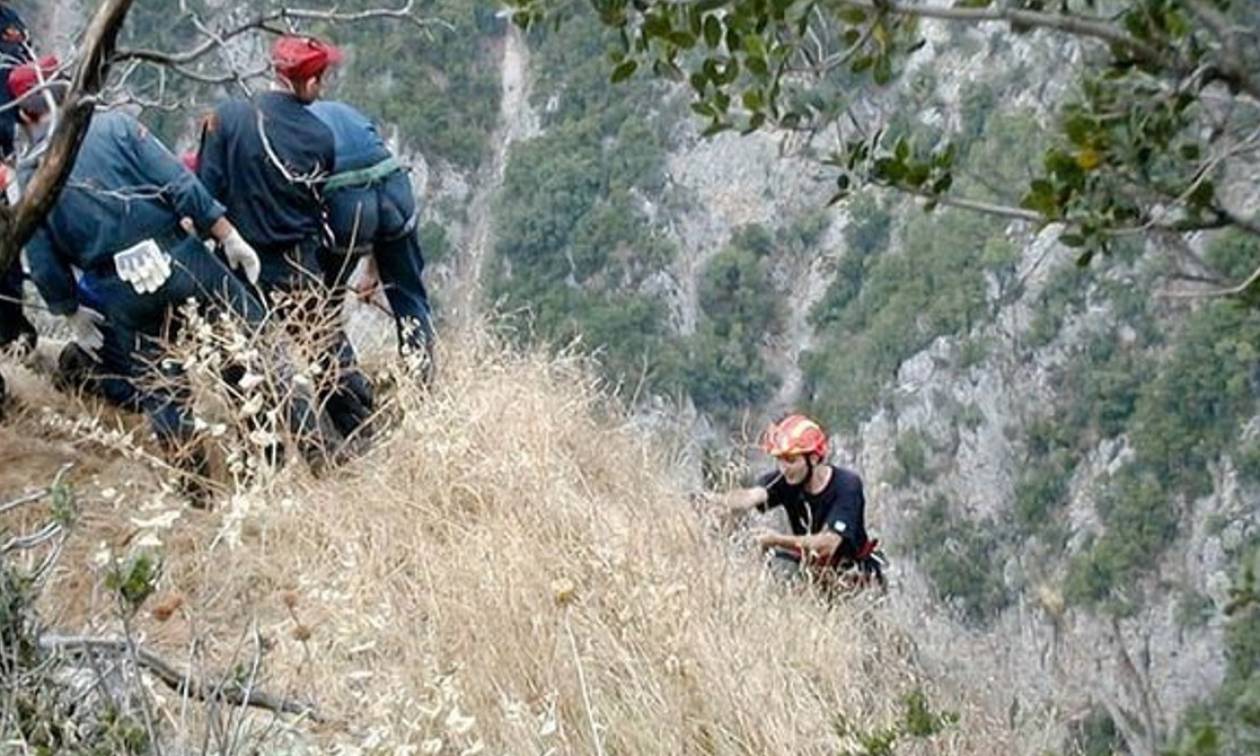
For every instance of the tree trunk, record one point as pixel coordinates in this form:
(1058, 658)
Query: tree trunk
(18, 223)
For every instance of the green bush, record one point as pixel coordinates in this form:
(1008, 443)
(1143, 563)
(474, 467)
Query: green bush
(1005, 157)
(911, 454)
(1189, 414)
(725, 372)
(805, 231)
(970, 416)
(1042, 489)
(441, 90)
(972, 352)
(1062, 296)
(755, 239)
(1095, 735)
(1139, 521)
(574, 245)
(1100, 386)
(1180, 409)
(434, 243)
(962, 558)
(917, 721)
(1234, 254)
(1248, 461)
(1194, 609)
(1228, 721)
(882, 310)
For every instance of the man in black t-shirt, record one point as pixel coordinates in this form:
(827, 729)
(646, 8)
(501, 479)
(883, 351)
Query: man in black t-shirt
(825, 507)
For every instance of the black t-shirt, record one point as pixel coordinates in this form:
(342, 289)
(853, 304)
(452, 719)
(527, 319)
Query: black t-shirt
(840, 507)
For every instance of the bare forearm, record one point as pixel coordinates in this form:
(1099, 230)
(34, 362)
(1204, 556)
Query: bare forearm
(819, 546)
(741, 500)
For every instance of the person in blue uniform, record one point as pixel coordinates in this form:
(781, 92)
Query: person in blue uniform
(117, 221)
(372, 210)
(15, 330)
(14, 51)
(266, 159)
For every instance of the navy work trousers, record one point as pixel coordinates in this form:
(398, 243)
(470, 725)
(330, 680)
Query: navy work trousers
(381, 217)
(312, 277)
(137, 323)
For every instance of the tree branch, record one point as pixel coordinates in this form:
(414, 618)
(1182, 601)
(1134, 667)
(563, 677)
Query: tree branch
(1080, 26)
(1002, 211)
(1233, 291)
(1232, 66)
(181, 683)
(216, 40)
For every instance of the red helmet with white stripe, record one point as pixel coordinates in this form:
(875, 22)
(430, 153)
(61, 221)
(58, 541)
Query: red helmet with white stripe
(795, 435)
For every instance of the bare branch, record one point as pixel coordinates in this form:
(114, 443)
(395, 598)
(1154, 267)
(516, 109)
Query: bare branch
(405, 13)
(1233, 291)
(1233, 68)
(263, 22)
(29, 498)
(1002, 211)
(27, 542)
(37, 495)
(180, 682)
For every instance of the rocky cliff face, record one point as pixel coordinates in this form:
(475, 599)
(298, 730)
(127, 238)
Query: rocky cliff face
(1039, 657)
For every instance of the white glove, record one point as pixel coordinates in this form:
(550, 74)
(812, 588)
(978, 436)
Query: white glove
(145, 266)
(84, 323)
(241, 256)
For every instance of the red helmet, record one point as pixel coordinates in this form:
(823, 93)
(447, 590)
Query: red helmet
(795, 434)
(301, 58)
(26, 77)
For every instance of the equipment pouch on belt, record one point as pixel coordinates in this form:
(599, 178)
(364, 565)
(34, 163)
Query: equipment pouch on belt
(145, 266)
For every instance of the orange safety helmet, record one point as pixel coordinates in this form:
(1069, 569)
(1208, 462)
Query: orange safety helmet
(795, 434)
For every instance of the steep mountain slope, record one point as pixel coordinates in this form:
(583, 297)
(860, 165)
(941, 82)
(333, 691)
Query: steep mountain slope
(1063, 464)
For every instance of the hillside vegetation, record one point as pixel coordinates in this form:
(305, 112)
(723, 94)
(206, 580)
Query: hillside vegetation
(512, 569)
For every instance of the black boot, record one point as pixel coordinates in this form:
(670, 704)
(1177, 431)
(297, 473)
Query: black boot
(194, 479)
(75, 370)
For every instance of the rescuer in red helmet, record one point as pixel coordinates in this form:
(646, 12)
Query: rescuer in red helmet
(824, 503)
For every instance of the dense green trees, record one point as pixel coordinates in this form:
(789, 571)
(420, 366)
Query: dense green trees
(725, 371)
(1139, 144)
(440, 88)
(883, 308)
(575, 245)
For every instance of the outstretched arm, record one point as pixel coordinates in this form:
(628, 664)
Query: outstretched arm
(741, 500)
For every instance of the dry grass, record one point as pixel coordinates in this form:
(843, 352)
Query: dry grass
(511, 570)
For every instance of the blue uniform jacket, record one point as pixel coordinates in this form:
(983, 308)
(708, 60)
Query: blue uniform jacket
(12, 40)
(269, 208)
(357, 142)
(125, 187)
